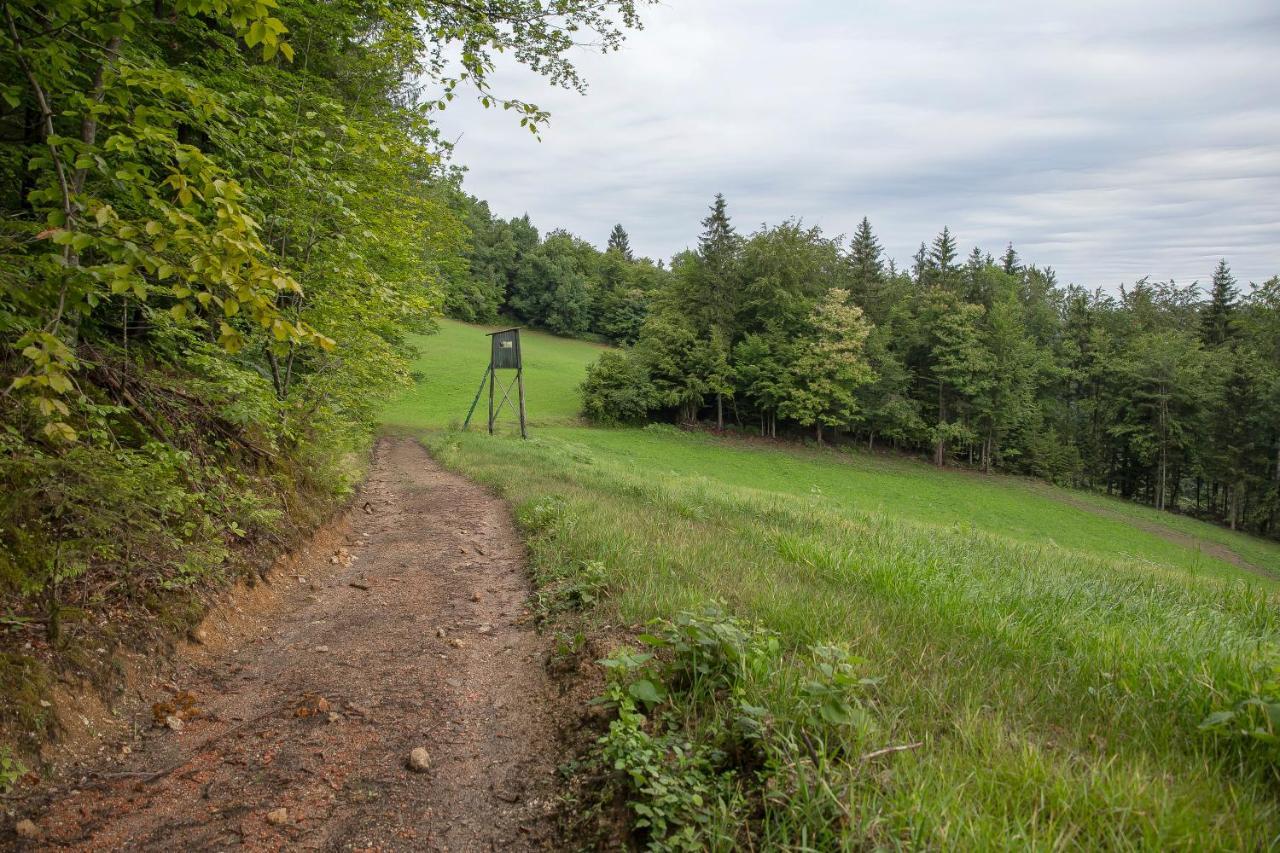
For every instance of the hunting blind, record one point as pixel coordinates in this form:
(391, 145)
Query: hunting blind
(504, 354)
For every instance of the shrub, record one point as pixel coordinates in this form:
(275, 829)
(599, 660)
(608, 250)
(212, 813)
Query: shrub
(618, 389)
(718, 726)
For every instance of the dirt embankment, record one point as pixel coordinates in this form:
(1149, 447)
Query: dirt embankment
(294, 723)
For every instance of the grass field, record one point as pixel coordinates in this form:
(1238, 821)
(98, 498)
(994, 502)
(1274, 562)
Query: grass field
(1048, 666)
(453, 361)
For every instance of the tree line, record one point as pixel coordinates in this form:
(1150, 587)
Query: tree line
(1160, 393)
(558, 282)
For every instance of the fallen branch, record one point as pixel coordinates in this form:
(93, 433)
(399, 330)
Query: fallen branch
(889, 750)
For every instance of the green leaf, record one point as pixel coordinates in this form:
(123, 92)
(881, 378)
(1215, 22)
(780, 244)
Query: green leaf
(645, 691)
(836, 711)
(1217, 719)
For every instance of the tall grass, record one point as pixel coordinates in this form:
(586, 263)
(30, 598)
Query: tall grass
(1056, 691)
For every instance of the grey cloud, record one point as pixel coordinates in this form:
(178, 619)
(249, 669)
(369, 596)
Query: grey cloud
(1109, 139)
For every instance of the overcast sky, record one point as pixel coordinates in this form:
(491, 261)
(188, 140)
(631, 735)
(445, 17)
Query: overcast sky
(1110, 139)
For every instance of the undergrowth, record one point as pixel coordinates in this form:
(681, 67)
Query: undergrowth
(118, 541)
(722, 735)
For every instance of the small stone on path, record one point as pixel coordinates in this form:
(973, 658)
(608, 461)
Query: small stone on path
(26, 828)
(419, 760)
(278, 816)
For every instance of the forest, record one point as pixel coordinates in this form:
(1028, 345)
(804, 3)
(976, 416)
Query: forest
(1161, 393)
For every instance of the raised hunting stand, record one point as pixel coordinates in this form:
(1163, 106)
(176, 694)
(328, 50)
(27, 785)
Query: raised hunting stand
(504, 354)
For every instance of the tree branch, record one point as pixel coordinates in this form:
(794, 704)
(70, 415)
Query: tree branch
(46, 116)
(89, 123)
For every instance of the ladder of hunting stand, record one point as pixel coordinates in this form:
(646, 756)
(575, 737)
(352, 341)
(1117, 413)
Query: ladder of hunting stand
(504, 354)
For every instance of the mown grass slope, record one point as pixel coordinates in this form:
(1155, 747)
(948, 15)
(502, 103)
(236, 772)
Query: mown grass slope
(1054, 664)
(453, 360)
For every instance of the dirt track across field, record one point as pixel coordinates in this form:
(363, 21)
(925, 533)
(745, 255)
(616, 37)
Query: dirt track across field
(1214, 549)
(308, 696)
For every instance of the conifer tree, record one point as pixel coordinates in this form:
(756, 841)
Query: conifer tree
(865, 253)
(619, 242)
(1010, 262)
(942, 258)
(719, 242)
(920, 267)
(1216, 323)
(718, 251)
(867, 270)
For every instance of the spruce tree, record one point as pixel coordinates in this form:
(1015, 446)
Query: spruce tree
(1216, 325)
(1010, 262)
(920, 267)
(942, 257)
(718, 240)
(977, 288)
(867, 270)
(718, 250)
(619, 242)
(974, 265)
(865, 253)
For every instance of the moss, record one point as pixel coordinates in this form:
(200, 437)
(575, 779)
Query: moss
(24, 682)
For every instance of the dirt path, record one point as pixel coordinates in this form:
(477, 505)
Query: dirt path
(1186, 540)
(312, 699)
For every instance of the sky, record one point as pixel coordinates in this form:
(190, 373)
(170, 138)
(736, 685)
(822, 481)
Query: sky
(1108, 140)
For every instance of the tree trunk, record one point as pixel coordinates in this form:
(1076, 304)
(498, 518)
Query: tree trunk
(720, 412)
(819, 426)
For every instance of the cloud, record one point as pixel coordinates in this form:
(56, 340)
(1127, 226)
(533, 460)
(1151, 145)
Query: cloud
(1109, 140)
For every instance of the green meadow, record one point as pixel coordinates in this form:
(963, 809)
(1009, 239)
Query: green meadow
(454, 359)
(1040, 660)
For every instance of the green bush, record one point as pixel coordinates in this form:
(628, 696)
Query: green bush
(719, 730)
(618, 389)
